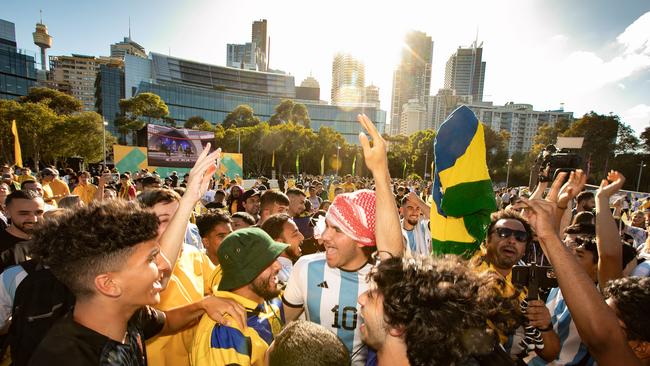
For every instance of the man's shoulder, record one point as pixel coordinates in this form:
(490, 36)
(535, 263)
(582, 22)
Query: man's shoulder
(310, 258)
(68, 343)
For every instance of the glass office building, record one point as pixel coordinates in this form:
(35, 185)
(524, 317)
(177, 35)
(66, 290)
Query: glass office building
(192, 96)
(109, 89)
(17, 69)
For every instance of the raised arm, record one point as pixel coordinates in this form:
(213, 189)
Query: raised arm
(595, 321)
(387, 229)
(608, 239)
(171, 240)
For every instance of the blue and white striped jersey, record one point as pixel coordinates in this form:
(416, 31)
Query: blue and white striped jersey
(329, 296)
(572, 349)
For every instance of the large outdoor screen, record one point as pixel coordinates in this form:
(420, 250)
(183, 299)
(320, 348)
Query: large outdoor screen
(173, 147)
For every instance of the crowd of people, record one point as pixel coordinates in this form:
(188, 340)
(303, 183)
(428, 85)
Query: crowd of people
(130, 268)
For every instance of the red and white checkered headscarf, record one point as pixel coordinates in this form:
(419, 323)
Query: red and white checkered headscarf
(354, 214)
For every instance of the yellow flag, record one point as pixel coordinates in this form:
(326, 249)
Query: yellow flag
(17, 154)
(273, 160)
(322, 165)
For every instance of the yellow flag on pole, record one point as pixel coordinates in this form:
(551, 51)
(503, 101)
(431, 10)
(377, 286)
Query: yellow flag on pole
(273, 160)
(17, 154)
(322, 165)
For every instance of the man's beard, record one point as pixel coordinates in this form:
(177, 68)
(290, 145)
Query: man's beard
(261, 288)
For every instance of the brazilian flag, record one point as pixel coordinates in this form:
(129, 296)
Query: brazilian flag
(462, 190)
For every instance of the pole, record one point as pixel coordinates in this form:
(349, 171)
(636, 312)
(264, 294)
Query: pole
(238, 142)
(426, 162)
(104, 123)
(638, 182)
(508, 172)
(338, 162)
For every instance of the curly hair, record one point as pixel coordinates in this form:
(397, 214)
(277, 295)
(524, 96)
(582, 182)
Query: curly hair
(306, 343)
(91, 240)
(632, 298)
(444, 308)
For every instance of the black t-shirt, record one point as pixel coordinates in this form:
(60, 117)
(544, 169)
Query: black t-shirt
(70, 343)
(7, 241)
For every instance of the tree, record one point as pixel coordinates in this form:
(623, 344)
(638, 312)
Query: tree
(193, 122)
(645, 138)
(626, 140)
(82, 135)
(289, 111)
(421, 143)
(600, 133)
(57, 101)
(242, 116)
(147, 105)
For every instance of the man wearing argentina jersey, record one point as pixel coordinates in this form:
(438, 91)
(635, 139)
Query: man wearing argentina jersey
(326, 285)
(414, 226)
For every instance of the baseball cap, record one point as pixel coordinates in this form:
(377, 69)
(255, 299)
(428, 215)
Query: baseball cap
(250, 193)
(244, 254)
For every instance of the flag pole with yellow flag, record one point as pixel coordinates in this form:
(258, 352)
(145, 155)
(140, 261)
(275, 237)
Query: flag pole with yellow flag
(273, 160)
(17, 153)
(322, 165)
(354, 163)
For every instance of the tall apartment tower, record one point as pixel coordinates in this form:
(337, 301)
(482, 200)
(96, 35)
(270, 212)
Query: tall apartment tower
(259, 38)
(412, 78)
(127, 47)
(76, 75)
(465, 72)
(348, 79)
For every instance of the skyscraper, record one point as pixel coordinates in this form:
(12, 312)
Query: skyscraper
(259, 38)
(465, 72)
(242, 56)
(412, 78)
(17, 70)
(76, 74)
(127, 47)
(348, 80)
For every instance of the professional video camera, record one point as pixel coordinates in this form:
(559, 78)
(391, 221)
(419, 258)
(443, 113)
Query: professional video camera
(557, 161)
(534, 278)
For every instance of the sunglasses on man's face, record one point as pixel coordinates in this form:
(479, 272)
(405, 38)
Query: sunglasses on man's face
(519, 235)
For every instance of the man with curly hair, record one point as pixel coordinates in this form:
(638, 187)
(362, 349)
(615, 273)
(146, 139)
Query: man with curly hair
(434, 311)
(107, 254)
(629, 297)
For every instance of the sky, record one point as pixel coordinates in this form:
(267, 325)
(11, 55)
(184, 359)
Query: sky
(587, 55)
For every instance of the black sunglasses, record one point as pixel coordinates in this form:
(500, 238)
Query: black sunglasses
(519, 235)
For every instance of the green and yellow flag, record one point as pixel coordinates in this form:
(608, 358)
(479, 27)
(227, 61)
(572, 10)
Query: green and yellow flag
(462, 190)
(17, 153)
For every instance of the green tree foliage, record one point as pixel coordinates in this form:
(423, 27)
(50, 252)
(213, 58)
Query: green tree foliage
(600, 133)
(242, 116)
(626, 140)
(46, 136)
(57, 101)
(289, 111)
(399, 152)
(139, 110)
(198, 123)
(421, 144)
(645, 139)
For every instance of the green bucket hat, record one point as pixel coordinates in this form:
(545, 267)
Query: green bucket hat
(244, 254)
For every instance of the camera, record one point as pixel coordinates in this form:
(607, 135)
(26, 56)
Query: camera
(534, 278)
(557, 161)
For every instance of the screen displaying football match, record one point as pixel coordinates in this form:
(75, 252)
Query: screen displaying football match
(174, 147)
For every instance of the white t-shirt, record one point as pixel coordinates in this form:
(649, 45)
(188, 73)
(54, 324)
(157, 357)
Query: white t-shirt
(329, 297)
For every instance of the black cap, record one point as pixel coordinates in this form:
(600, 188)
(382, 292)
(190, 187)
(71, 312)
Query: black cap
(250, 193)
